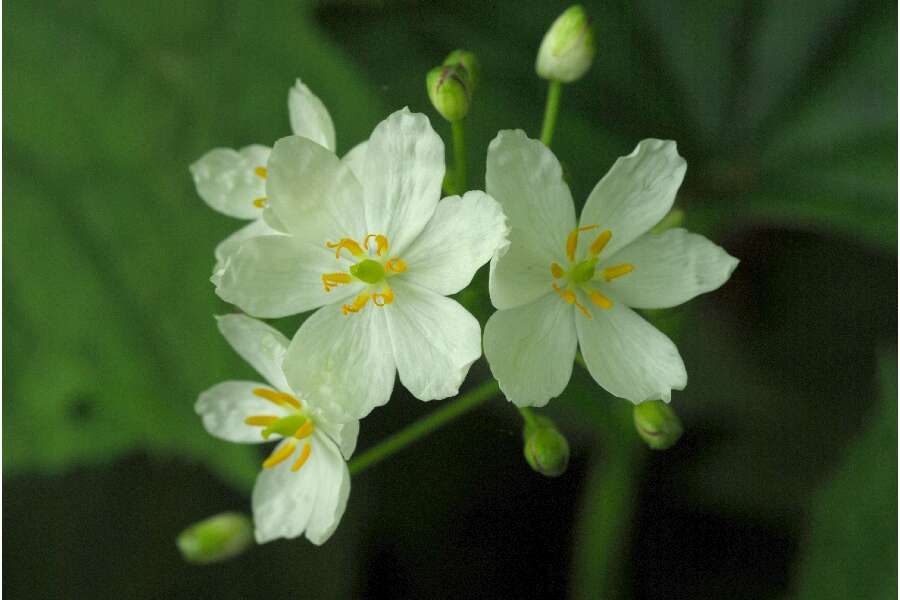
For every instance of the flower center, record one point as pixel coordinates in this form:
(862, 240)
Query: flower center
(372, 268)
(580, 274)
(296, 425)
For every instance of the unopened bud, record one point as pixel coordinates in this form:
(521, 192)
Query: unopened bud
(657, 423)
(449, 91)
(546, 449)
(469, 62)
(217, 538)
(568, 48)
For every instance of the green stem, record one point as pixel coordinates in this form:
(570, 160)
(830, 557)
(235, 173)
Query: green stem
(424, 426)
(554, 94)
(459, 155)
(528, 416)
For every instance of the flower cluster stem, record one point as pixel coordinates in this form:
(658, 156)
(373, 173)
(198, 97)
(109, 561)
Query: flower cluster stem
(554, 94)
(424, 426)
(459, 155)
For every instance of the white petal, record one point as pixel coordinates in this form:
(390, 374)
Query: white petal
(277, 275)
(288, 503)
(344, 435)
(314, 195)
(519, 276)
(531, 349)
(342, 363)
(261, 345)
(224, 407)
(524, 176)
(669, 269)
(356, 159)
(435, 341)
(628, 356)
(463, 234)
(226, 180)
(402, 176)
(229, 245)
(309, 117)
(635, 194)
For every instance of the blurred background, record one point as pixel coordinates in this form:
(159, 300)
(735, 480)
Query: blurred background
(785, 482)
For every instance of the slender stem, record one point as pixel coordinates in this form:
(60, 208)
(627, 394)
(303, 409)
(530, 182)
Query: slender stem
(554, 94)
(424, 426)
(528, 416)
(459, 154)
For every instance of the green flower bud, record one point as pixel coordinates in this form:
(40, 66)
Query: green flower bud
(449, 91)
(657, 424)
(217, 538)
(546, 449)
(469, 62)
(568, 48)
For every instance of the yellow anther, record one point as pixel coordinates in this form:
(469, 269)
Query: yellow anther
(600, 243)
(396, 265)
(332, 280)
(261, 172)
(572, 240)
(611, 273)
(304, 456)
(556, 270)
(601, 300)
(305, 430)
(260, 420)
(358, 304)
(277, 398)
(345, 243)
(569, 297)
(280, 455)
(381, 243)
(386, 297)
(259, 203)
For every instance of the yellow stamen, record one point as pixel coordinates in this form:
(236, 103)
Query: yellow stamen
(332, 280)
(556, 270)
(569, 297)
(345, 243)
(305, 430)
(260, 420)
(611, 273)
(572, 240)
(396, 265)
(357, 305)
(601, 300)
(304, 456)
(261, 172)
(386, 297)
(280, 455)
(259, 203)
(278, 398)
(381, 243)
(600, 243)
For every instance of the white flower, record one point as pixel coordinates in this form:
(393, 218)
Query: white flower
(379, 253)
(304, 485)
(559, 286)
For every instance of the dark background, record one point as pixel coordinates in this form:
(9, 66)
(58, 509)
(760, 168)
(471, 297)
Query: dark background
(785, 482)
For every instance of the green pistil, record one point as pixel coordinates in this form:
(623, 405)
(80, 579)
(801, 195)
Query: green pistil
(583, 271)
(368, 270)
(285, 426)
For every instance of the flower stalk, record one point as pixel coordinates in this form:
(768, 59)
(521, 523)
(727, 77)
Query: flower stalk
(551, 110)
(459, 155)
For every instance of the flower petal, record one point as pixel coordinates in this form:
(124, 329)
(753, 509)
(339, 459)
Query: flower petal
(402, 176)
(344, 435)
(518, 277)
(288, 503)
(435, 341)
(531, 350)
(314, 195)
(463, 234)
(227, 181)
(261, 345)
(229, 245)
(636, 193)
(342, 363)
(629, 357)
(669, 269)
(309, 117)
(356, 158)
(277, 275)
(224, 407)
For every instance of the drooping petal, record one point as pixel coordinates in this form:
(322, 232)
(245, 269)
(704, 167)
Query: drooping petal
(315, 195)
(342, 363)
(402, 176)
(635, 194)
(524, 176)
(463, 234)
(356, 159)
(227, 180)
(435, 341)
(531, 349)
(277, 275)
(669, 269)
(261, 345)
(289, 503)
(629, 357)
(309, 117)
(229, 245)
(224, 407)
